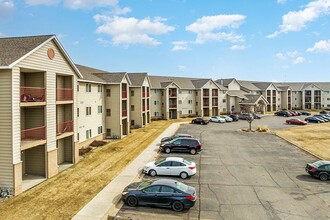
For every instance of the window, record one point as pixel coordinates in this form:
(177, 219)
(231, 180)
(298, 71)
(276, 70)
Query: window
(99, 109)
(77, 88)
(177, 142)
(132, 122)
(189, 101)
(108, 91)
(190, 91)
(152, 189)
(99, 129)
(165, 164)
(156, 91)
(167, 189)
(328, 99)
(132, 107)
(327, 167)
(99, 88)
(224, 100)
(196, 103)
(88, 87)
(77, 112)
(180, 91)
(108, 112)
(88, 133)
(88, 110)
(177, 164)
(77, 136)
(132, 93)
(189, 111)
(156, 113)
(162, 93)
(180, 101)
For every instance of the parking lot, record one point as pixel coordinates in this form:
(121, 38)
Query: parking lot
(246, 176)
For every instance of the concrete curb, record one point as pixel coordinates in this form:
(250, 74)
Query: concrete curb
(300, 147)
(108, 201)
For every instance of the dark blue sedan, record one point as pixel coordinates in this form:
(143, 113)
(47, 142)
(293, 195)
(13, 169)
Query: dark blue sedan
(314, 120)
(165, 193)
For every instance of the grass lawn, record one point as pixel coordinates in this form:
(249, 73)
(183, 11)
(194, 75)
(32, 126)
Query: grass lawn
(63, 195)
(313, 138)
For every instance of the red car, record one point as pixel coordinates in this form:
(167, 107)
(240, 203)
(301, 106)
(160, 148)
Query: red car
(296, 121)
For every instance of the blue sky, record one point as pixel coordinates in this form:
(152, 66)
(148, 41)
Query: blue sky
(270, 40)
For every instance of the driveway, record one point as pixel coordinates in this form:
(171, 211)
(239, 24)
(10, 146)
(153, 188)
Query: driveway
(246, 176)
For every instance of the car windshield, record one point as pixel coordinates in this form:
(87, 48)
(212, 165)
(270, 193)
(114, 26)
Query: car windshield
(181, 186)
(159, 161)
(144, 185)
(318, 163)
(187, 162)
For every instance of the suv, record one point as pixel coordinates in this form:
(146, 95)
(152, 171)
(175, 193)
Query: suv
(190, 145)
(201, 121)
(166, 139)
(245, 116)
(283, 113)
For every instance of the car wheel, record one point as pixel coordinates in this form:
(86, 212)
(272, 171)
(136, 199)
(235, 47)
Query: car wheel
(152, 173)
(318, 122)
(132, 201)
(323, 177)
(193, 122)
(193, 151)
(177, 206)
(183, 175)
(167, 150)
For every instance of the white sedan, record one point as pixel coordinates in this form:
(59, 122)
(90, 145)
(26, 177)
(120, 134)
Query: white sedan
(171, 166)
(217, 119)
(227, 118)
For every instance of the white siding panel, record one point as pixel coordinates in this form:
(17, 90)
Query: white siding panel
(16, 118)
(6, 171)
(51, 110)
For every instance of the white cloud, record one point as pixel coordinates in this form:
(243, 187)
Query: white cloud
(180, 45)
(280, 56)
(103, 42)
(322, 46)
(281, 1)
(61, 36)
(76, 42)
(299, 60)
(238, 47)
(128, 31)
(2, 35)
(6, 8)
(121, 11)
(292, 54)
(208, 28)
(295, 21)
(182, 67)
(42, 2)
(89, 4)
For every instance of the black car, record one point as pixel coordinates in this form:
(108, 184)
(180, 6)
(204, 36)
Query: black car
(166, 139)
(314, 120)
(326, 119)
(246, 116)
(324, 112)
(165, 193)
(305, 113)
(234, 117)
(283, 113)
(182, 144)
(319, 169)
(202, 121)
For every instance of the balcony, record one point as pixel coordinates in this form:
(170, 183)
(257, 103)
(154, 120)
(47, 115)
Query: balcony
(214, 103)
(38, 133)
(148, 108)
(143, 94)
(64, 127)
(124, 94)
(124, 113)
(143, 108)
(214, 93)
(30, 95)
(206, 94)
(206, 104)
(172, 94)
(64, 94)
(172, 106)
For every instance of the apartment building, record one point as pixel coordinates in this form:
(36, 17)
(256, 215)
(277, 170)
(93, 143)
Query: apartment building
(105, 110)
(139, 96)
(174, 97)
(37, 110)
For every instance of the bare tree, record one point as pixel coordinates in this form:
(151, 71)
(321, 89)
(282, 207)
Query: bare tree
(248, 110)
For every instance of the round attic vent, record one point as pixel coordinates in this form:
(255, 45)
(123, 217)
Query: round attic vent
(51, 53)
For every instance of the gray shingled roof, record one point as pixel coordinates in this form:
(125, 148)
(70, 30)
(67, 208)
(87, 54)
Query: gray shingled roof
(111, 77)
(89, 73)
(248, 85)
(238, 93)
(137, 79)
(252, 99)
(165, 84)
(14, 48)
(221, 86)
(199, 83)
(182, 82)
(225, 82)
(262, 85)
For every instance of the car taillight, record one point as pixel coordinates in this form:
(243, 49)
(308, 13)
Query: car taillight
(191, 168)
(313, 169)
(192, 198)
(199, 145)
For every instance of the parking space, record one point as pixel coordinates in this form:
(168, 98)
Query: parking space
(246, 176)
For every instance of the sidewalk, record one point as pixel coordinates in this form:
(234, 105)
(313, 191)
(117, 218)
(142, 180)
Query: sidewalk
(106, 201)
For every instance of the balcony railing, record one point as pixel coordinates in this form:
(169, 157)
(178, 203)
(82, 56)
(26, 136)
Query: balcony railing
(64, 94)
(143, 94)
(147, 107)
(206, 104)
(124, 113)
(172, 106)
(214, 103)
(172, 94)
(214, 94)
(63, 127)
(143, 108)
(38, 133)
(33, 94)
(124, 94)
(206, 94)
(148, 94)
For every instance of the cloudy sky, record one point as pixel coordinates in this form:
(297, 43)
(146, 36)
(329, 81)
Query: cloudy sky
(273, 40)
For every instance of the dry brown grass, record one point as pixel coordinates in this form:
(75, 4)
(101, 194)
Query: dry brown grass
(313, 138)
(62, 196)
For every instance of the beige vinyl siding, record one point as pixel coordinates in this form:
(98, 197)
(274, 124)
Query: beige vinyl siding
(68, 149)
(184, 97)
(51, 110)
(234, 85)
(199, 100)
(60, 151)
(35, 79)
(16, 120)
(113, 102)
(34, 162)
(158, 98)
(136, 100)
(32, 117)
(6, 171)
(75, 106)
(91, 99)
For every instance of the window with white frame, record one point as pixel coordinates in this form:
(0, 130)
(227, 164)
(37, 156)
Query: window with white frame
(99, 109)
(108, 91)
(189, 111)
(99, 130)
(189, 101)
(88, 133)
(180, 102)
(108, 112)
(88, 110)
(99, 88)
(190, 91)
(77, 112)
(156, 113)
(88, 87)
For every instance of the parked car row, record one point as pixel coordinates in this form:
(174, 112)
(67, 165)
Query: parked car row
(167, 193)
(318, 118)
(286, 113)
